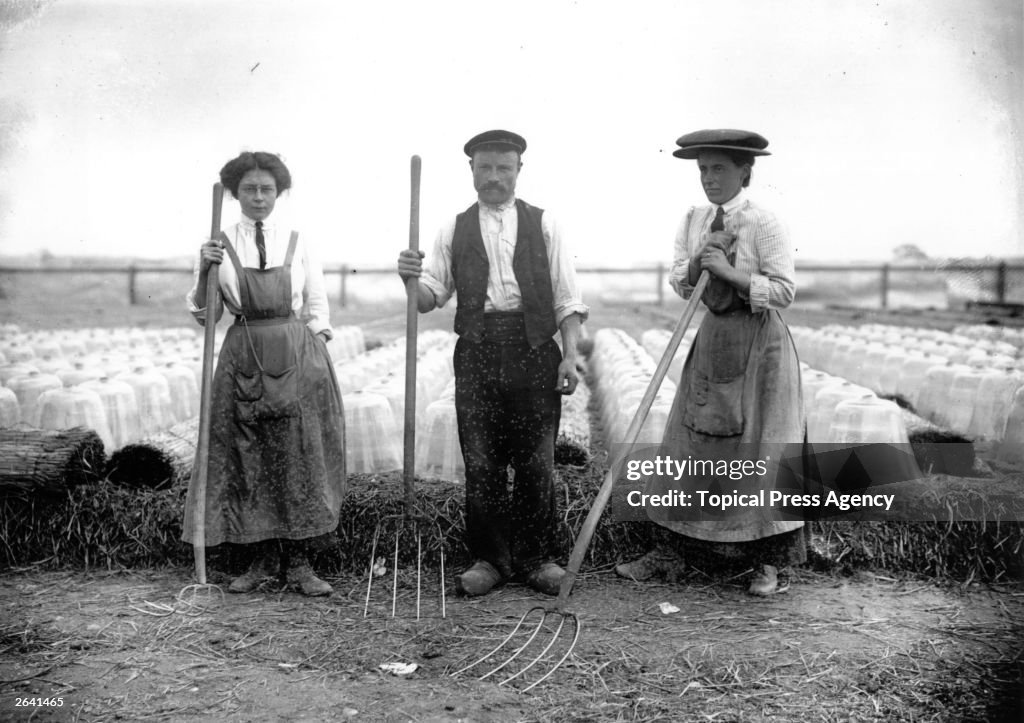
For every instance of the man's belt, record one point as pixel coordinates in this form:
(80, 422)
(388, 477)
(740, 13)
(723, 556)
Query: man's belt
(504, 327)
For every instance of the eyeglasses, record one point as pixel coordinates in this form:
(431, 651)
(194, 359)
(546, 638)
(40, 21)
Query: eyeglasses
(265, 190)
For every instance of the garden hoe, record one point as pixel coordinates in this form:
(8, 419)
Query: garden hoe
(556, 614)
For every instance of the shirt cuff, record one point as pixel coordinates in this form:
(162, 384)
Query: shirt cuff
(678, 279)
(316, 327)
(759, 288)
(566, 310)
(435, 287)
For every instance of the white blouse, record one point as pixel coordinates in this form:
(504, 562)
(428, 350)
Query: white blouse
(309, 294)
(762, 250)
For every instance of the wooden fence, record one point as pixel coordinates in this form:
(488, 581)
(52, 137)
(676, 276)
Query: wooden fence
(344, 272)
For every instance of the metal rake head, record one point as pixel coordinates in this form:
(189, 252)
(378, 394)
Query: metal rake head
(514, 650)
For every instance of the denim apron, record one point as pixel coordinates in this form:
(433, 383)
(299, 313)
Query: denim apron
(739, 398)
(277, 433)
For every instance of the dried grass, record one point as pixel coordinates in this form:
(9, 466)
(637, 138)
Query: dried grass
(112, 527)
(963, 551)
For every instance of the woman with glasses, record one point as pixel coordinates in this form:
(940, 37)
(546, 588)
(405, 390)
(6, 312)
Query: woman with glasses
(277, 440)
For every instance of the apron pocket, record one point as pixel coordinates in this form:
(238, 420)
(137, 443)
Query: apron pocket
(263, 395)
(248, 387)
(715, 407)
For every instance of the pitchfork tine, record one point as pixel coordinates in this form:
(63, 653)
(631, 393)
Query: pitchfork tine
(373, 559)
(500, 645)
(558, 630)
(524, 646)
(394, 577)
(572, 646)
(443, 611)
(419, 561)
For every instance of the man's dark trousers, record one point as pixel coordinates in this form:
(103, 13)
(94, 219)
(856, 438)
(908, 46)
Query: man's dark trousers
(508, 414)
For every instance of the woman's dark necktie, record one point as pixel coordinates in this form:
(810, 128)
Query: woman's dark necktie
(718, 222)
(261, 244)
(719, 295)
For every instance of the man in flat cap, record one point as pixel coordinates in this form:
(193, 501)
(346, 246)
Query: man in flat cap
(515, 285)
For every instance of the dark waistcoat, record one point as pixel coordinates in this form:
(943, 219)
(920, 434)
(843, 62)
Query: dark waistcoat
(470, 268)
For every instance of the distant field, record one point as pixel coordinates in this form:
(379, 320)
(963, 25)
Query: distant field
(78, 300)
(91, 299)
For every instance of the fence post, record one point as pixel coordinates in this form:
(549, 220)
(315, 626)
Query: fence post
(132, 270)
(661, 284)
(885, 286)
(1001, 282)
(344, 285)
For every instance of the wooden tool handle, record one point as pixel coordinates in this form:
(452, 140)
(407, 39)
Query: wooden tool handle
(202, 463)
(412, 290)
(586, 533)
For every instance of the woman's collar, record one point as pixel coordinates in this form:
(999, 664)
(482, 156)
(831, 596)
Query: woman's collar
(735, 202)
(249, 224)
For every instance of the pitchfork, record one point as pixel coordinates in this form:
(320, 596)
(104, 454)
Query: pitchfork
(409, 442)
(202, 458)
(557, 611)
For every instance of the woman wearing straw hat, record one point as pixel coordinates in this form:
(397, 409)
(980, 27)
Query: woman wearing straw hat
(277, 439)
(739, 397)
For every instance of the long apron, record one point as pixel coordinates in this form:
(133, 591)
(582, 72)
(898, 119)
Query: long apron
(739, 399)
(277, 433)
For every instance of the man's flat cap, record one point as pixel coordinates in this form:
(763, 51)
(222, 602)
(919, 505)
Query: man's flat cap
(722, 139)
(513, 141)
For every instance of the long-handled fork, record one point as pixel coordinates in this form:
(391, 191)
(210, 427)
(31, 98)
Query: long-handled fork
(200, 472)
(556, 614)
(409, 421)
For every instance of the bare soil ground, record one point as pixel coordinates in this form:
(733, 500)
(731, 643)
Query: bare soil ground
(122, 647)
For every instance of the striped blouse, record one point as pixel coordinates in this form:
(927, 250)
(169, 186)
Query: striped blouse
(762, 250)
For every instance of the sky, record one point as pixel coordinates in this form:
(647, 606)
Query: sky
(890, 122)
